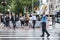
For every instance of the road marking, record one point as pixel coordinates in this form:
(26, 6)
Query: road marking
(29, 37)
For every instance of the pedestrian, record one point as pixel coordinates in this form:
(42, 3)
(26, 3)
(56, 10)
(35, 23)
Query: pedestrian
(53, 21)
(27, 19)
(13, 20)
(34, 20)
(2, 18)
(38, 17)
(4, 21)
(22, 20)
(43, 20)
(7, 20)
(16, 18)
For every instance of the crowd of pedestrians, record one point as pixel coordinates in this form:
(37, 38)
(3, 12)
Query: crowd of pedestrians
(5, 19)
(14, 18)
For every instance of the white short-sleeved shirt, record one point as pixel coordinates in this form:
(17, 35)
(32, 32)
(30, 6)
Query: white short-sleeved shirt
(33, 17)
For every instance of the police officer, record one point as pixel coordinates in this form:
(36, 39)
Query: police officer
(43, 20)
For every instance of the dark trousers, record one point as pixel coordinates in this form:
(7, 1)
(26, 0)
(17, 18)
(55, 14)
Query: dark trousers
(34, 21)
(14, 24)
(7, 24)
(44, 28)
(27, 22)
(22, 23)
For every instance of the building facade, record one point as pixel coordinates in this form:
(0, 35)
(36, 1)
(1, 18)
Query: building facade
(53, 6)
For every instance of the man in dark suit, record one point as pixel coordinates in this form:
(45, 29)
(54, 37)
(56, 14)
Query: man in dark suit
(7, 20)
(13, 20)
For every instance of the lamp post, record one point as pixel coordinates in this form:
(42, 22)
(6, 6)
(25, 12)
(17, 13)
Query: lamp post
(32, 7)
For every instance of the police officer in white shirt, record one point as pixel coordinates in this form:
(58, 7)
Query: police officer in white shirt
(33, 20)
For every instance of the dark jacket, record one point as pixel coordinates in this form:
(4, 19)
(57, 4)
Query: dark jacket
(13, 19)
(16, 18)
(2, 19)
(7, 19)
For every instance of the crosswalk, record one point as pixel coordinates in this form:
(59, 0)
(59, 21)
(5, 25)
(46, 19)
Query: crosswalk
(28, 34)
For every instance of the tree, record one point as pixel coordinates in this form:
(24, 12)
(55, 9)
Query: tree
(17, 6)
(1, 8)
(28, 3)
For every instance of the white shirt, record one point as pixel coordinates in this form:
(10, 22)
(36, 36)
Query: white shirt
(37, 12)
(30, 18)
(33, 17)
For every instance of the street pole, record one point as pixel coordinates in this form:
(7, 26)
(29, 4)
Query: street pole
(32, 6)
(39, 6)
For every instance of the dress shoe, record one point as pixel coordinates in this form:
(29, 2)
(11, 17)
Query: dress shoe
(42, 36)
(48, 35)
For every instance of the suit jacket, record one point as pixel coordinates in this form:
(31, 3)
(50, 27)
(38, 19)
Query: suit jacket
(7, 19)
(13, 19)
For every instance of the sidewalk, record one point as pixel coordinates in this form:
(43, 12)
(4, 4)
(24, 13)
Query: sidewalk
(57, 25)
